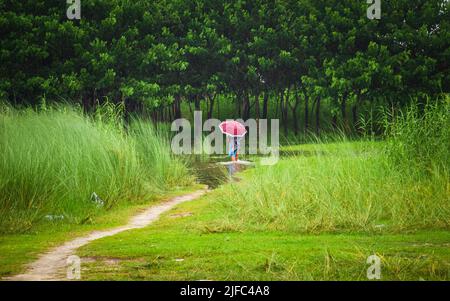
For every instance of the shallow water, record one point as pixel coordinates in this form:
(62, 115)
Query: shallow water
(208, 171)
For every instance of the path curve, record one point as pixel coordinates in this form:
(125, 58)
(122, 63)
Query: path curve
(51, 265)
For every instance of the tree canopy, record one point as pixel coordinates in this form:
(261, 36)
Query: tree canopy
(156, 54)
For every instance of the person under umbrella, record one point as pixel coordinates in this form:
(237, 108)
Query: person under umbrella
(234, 131)
(234, 148)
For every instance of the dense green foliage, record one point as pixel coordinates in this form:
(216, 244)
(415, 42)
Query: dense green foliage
(151, 55)
(53, 160)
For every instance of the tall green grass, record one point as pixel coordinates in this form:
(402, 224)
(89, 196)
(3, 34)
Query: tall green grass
(156, 157)
(52, 160)
(419, 138)
(401, 184)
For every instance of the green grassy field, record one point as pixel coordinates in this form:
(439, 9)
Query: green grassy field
(192, 243)
(19, 249)
(315, 215)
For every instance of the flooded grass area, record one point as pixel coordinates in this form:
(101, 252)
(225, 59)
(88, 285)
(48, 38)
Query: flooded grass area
(208, 170)
(213, 170)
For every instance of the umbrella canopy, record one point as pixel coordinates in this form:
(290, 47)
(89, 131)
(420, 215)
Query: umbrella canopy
(233, 128)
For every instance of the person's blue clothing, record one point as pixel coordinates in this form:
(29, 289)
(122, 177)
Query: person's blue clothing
(234, 147)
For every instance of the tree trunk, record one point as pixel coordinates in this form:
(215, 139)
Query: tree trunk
(161, 114)
(210, 106)
(343, 111)
(218, 111)
(334, 121)
(197, 102)
(294, 112)
(294, 116)
(169, 113)
(277, 105)
(127, 110)
(246, 107)
(177, 107)
(257, 105)
(344, 114)
(355, 117)
(318, 116)
(94, 100)
(86, 104)
(306, 113)
(190, 108)
(281, 104)
(265, 103)
(284, 111)
(355, 114)
(238, 104)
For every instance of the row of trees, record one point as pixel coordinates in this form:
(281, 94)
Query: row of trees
(155, 54)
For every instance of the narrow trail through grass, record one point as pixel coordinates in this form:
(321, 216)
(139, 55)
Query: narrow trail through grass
(50, 266)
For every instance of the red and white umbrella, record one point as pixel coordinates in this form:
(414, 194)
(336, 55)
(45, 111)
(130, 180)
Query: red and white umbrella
(233, 128)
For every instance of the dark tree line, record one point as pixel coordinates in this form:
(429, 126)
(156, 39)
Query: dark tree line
(153, 55)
